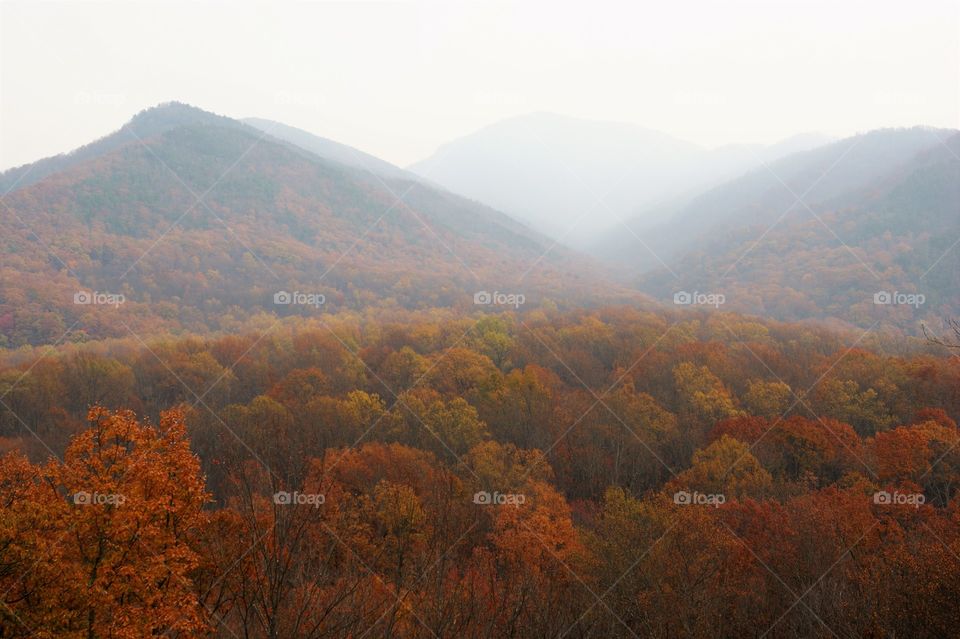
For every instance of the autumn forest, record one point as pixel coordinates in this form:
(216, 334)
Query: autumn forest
(644, 475)
(630, 320)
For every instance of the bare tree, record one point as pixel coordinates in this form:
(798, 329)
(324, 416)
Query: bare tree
(953, 343)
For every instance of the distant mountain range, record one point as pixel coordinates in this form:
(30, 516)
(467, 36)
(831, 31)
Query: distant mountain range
(818, 175)
(199, 220)
(569, 177)
(818, 234)
(809, 228)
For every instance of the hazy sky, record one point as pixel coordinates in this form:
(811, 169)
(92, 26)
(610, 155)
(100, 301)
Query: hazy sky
(399, 79)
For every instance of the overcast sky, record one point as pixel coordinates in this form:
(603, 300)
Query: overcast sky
(399, 79)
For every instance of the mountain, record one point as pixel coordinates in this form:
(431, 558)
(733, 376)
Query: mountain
(328, 149)
(146, 124)
(550, 170)
(762, 195)
(730, 162)
(199, 220)
(882, 220)
(569, 177)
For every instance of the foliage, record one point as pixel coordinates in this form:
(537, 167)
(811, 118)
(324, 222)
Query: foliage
(597, 473)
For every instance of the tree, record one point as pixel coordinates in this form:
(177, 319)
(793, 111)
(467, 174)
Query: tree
(844, 401)
(925, 454)
(299, 387)
(818, 451)
(725, 467)
(539, 558)
(703, 394)
(491, 337)
(767, 399)
(520, 409)
(448, 428)
(93, 380)
(122, 542)
(459, 371)
(671, 571)
(953, 325)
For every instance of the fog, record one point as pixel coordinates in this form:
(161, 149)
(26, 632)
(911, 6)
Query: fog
(398, 80)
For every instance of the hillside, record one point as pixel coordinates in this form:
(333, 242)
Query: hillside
(145, 124)
(763, 194)
(877, 222)
(124, 218)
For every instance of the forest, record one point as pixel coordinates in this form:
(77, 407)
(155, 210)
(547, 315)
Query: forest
(479, 320)
(591, 473)
(132, 222)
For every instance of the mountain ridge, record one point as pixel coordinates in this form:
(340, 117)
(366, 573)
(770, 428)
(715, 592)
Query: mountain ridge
(553, 171)
(827, 258)
(816, 175)
(328, 149)
(272, 217)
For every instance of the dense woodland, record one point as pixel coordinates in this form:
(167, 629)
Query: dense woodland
(776, 257)
(586, 424)
(435, 366)
(201, 461)
(198, 220)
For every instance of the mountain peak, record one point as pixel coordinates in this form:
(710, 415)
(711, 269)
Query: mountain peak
(148, 123)
(167, 115)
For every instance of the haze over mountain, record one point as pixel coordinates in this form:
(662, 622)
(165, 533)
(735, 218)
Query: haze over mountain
(816, 234)
(201, 218)
(258, 383)
(571, 177)
(283, 209)
(818, 175)
(328, 149)
(146, 124)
